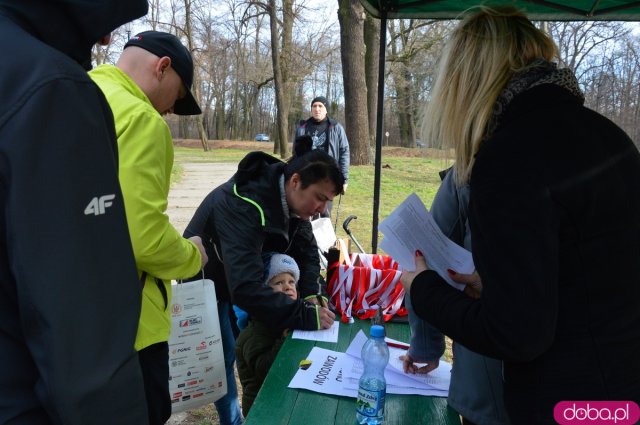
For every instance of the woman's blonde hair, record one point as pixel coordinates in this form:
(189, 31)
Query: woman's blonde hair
(479, 59)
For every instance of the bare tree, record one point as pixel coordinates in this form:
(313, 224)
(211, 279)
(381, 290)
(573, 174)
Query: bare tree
(351, 17)
(204, 139)
(372, 63)
(604, 57)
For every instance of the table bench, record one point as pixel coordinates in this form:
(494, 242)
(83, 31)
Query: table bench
(277, 404)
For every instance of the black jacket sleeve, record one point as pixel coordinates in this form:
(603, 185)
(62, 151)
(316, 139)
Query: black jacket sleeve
(240, 239)
(69, 292)
(515, 250)
(202, 224)
(304, 250)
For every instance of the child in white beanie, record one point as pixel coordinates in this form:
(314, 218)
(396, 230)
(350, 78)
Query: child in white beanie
(259, 343)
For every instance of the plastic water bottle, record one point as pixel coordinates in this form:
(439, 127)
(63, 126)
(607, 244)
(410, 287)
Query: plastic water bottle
(373, 387)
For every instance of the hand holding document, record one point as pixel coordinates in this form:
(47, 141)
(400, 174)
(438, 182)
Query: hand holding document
(411, 227)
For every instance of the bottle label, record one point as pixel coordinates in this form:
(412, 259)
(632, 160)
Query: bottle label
(370, 403)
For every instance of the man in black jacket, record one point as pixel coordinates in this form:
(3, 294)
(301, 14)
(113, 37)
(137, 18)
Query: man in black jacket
(69, 295)
(327, 135)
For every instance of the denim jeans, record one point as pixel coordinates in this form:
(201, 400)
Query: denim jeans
(228, 407)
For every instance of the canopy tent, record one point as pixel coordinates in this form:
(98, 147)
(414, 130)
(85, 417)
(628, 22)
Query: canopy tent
(537, 10)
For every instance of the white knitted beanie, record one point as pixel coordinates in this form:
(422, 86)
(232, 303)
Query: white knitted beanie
(281, 263)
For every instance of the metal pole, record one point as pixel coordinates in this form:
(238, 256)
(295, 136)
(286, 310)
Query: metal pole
(378, 159)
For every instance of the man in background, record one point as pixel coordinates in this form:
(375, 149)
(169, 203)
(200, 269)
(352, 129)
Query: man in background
(152, 78)
(329, 135)
(69, 297)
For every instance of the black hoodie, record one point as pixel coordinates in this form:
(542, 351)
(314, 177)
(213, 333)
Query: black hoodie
(69, 295)
(241, 219)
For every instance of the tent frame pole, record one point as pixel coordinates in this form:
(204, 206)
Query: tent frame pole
(379, 124)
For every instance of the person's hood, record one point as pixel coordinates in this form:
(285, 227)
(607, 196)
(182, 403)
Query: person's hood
(258, 179)
(256, 166)
(72, 26)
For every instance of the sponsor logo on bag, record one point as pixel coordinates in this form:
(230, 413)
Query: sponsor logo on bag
(194, 322)
(191, 321)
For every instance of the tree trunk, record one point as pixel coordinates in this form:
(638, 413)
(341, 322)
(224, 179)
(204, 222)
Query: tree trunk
(196, 77)
(372, 61)
(280, 83)
(351, 18)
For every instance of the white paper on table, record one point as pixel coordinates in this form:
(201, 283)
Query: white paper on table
(352, 384)
(324, 375)
(410, 227)
(437, 379)
(324, 335)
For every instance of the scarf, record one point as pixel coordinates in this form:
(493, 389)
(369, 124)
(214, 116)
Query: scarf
(539, 72)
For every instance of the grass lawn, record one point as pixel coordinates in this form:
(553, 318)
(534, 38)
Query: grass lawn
(404, 171)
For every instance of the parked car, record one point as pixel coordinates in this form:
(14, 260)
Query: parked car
(420, 144)
(262, 137)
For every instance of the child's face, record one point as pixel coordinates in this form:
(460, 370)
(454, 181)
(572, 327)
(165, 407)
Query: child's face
(284, 282)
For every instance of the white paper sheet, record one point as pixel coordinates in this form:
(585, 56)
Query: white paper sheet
(410, 227)
(325, 335)
(326, 376)
(437, 379)
(351, 384)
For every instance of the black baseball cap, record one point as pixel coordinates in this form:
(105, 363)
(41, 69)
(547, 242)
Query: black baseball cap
(164, 44)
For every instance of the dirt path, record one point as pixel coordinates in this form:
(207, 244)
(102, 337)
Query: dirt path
(197, 181)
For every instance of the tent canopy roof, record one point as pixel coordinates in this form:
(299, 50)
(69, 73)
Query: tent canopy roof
(551, 10)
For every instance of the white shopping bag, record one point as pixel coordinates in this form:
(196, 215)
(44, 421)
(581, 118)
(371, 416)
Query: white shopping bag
(324, 233)
(196, 359)
(325, 238)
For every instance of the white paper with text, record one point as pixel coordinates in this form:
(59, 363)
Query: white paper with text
(411, 227)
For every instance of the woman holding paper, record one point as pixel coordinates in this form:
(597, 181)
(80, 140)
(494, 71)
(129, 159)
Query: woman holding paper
(476, 390)
(554, 211)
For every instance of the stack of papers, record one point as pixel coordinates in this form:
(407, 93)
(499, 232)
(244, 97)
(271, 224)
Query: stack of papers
(409, 227)
(333, 372)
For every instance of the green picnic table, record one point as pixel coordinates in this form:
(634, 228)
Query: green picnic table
(277, 404)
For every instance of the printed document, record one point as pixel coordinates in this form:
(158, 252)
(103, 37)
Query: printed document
(332, 372)
(324, 335)
(411, 227)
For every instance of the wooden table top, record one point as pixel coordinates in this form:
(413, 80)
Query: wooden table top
(277, 404)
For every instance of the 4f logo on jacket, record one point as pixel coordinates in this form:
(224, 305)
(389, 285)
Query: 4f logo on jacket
(98, 205)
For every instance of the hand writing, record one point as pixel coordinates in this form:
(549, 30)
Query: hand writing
(409, 365)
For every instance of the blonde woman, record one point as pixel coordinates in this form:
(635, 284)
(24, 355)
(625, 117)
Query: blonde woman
(554, 211)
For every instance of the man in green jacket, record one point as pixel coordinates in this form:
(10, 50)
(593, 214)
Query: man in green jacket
(151, 78)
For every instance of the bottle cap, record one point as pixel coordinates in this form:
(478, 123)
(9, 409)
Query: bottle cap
(377, 331)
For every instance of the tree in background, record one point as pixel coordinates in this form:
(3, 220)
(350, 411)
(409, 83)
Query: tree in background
(244, 90)
(351, 17)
